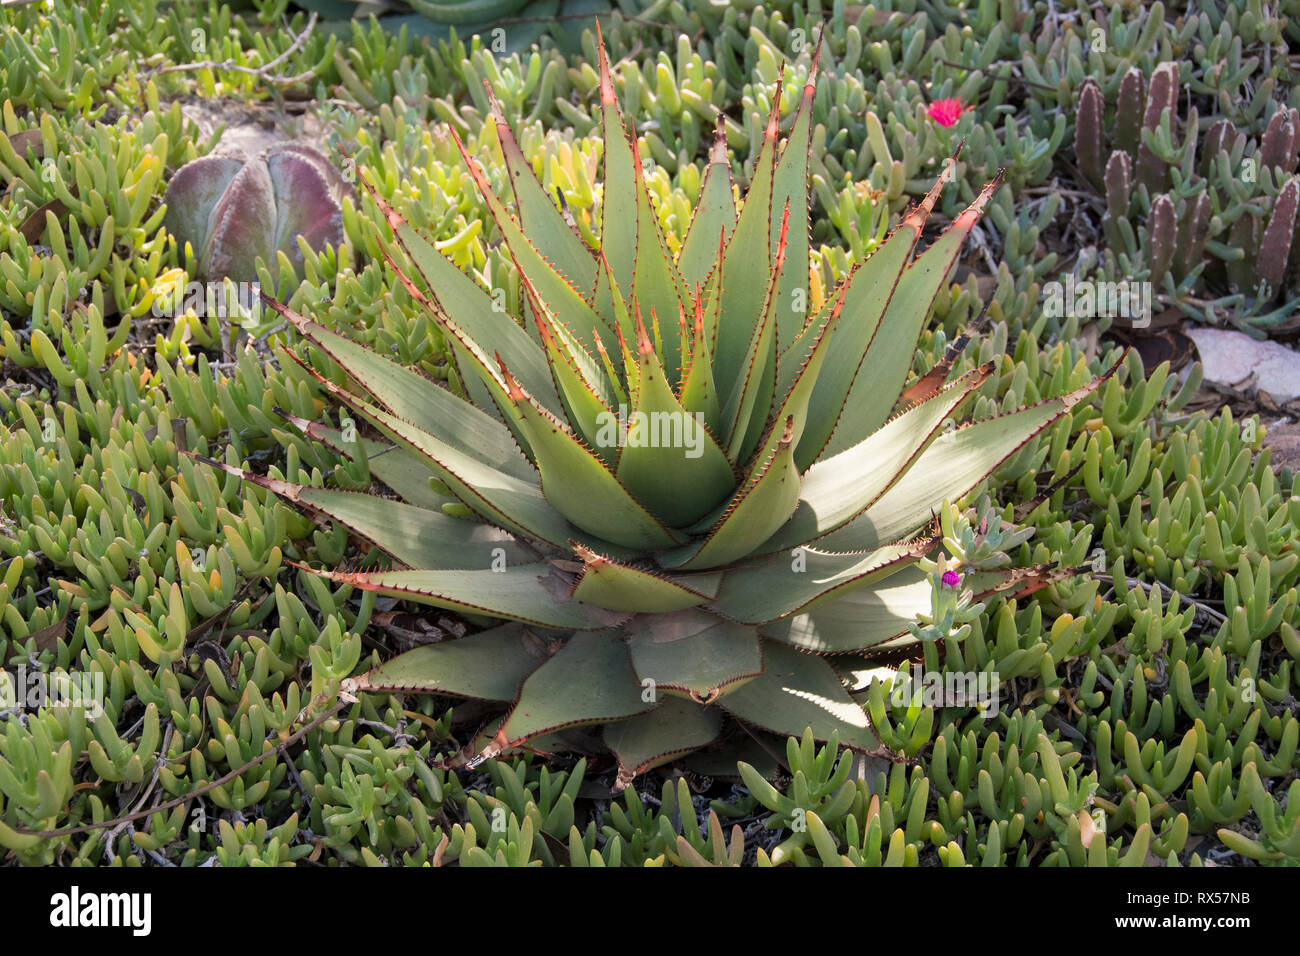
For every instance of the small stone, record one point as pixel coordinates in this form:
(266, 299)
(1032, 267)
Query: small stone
(1229, 358)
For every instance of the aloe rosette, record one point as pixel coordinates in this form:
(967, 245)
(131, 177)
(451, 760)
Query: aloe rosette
(663, 597)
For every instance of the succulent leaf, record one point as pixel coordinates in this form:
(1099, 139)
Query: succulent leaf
(490, 665)
(800, 691)
(233, 212)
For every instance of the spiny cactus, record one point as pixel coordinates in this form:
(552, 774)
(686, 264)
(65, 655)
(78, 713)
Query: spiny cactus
(1219, 219)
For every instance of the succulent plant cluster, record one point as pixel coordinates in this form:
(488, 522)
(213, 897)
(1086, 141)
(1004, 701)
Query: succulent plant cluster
(1160, 676)
(1216, 211)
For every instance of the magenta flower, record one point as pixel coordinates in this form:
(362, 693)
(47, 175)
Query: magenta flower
(946, 112)
(951, 579)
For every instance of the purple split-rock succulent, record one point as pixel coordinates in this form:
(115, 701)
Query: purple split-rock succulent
(231, 211)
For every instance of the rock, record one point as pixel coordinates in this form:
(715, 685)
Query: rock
(1284, 440)
(1230, 358)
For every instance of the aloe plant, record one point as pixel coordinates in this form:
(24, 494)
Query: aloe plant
(232, 213)
(686, 480)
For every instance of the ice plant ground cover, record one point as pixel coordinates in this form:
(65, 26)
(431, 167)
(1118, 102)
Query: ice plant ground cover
(512, 531)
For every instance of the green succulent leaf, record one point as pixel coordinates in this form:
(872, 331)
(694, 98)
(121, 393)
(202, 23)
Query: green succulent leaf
(783, 584)
(424, 404)
(763, 504)
(589, 680)
(524, 592)
(623, 587)
(538, 215)
(401, 469)
(861, 620)
(669, 460)
(490, 665)
(579, 486)
(620, 199)
(468, 313)
(947, 470)
(553, 288)
(790, 190)
(750, 397)
(694, 654)
(884, 368)
(864, 297)
(838, 489)
(748, 254)
(512, 503)
(798, 691)
(673, 728)
(714, 217)
(418, 537)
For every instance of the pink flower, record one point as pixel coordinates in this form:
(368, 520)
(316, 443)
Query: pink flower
(951, 579)
(946, 112)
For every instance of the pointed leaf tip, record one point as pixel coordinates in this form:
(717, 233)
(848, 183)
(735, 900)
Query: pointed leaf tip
(512, 387)
(643, 342)
(718, 151)
(607, 97)
(771, 132)
(811, 84)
